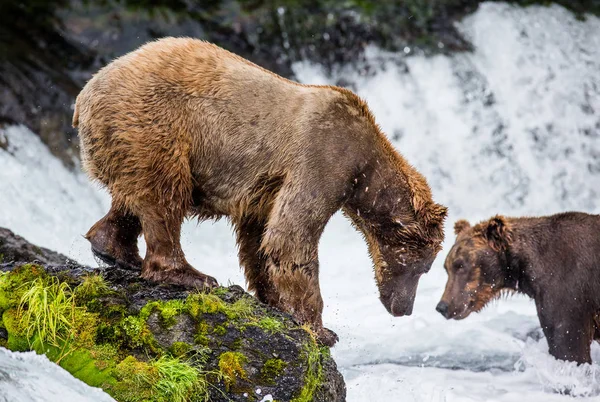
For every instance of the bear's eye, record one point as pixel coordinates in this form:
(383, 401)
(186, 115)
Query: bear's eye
(458, 266)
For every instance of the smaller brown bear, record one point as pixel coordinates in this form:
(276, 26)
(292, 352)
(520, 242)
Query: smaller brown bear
(553, 259)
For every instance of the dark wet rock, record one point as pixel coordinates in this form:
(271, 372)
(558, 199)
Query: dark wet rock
(237, 344)
(15, 248)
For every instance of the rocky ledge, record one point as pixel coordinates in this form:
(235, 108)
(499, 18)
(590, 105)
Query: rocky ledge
(145, 342)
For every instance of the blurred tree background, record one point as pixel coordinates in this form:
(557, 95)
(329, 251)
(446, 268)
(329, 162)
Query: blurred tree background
(49, 48)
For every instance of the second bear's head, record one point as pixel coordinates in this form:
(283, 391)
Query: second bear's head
(476, 267)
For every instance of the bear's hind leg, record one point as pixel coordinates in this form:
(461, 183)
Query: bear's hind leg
(165, 261)
(114, 239)
(253, 260)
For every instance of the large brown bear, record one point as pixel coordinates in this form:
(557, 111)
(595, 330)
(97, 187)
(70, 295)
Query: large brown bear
(553, 259)
(181, 128)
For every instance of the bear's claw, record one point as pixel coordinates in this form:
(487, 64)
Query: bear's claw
(110, 260)
(327, 337)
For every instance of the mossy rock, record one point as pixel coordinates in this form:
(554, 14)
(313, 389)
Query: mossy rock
(145, 342)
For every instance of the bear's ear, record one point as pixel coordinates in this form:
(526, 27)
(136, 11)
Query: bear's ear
(434, 214)
(460, 225)
(497, 233)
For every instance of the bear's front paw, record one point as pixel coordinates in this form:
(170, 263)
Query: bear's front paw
(185, 276)
(200, 282)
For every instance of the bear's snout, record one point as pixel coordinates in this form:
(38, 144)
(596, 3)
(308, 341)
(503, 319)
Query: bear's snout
(443, 309)
(401, 309)
(398, 306)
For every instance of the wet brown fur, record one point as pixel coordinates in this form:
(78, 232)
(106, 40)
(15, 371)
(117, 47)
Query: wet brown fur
(183, 128)
(554, 259)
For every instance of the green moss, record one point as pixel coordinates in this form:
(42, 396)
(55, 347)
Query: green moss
(114, 311)
(82, 365)
(171, 309)
(104, 355)
(17, 343)
(242, 308)
(325, 352)
(220, 291)
(4, 296)
(236, 345)
(14, 283)
(201, 303)
(272, 369)
(201, 336)
(85, 326)
(134, 380)
(135, 328)
(44, 314)
(92, 286)
(270, 324)
(314, 370)
(231, 367)
(179, 349)
(12, 322)
(137, 332)
(219, 330)
(108, 333)
(148, 309)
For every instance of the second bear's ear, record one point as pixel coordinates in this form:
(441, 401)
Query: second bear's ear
(497, 233)
(460, 225)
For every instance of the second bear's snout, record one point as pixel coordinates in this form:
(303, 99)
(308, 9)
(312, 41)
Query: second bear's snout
(442, 308)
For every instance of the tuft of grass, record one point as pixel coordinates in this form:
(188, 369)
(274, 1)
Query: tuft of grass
(47, 309)
(164, 379)
(178, 381)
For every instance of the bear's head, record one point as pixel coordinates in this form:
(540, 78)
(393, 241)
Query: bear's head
(403, 249)
(476, 267)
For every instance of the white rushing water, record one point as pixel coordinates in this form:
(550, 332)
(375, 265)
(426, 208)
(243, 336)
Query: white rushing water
(512, 128)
